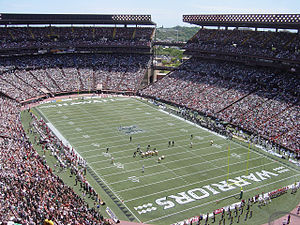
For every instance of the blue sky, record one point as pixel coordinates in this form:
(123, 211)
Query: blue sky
(164, 12)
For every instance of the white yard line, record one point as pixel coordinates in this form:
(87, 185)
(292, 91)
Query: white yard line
(115, 192)
(189, 122)
(180, 118)
(172, 171)
(92, 105)
(267, 157)
(99, 133)
(83, 122)
(139, 112)
(109, 127)
(118, 173)
(110, 118)
(207, 203)
(183, 186)
(116, 195)
(178, 160)
(142, 137)
(209, 161)
(189, 174)
(160, 150)
(178, 177)
(61, 136)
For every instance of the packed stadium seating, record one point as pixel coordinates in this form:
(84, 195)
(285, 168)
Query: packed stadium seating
(32, 77)
(30, 192)
(41, 37)
(9, 111)
(247, 42)
(261, 101)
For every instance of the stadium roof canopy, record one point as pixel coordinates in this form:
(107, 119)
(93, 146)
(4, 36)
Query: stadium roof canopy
(25, 19)
(280, 21)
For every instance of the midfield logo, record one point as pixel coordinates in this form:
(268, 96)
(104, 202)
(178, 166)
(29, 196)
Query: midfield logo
(133, 129)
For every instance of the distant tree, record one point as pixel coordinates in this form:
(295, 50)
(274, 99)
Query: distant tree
(171, 34)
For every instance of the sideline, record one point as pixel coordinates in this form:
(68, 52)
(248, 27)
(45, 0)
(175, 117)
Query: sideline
(61, 137)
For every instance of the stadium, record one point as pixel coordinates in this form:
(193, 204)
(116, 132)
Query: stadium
(89, 134)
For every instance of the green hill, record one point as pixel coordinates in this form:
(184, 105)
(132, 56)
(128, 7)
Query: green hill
(177, 33)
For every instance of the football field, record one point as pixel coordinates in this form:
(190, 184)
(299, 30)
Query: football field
(194, 177)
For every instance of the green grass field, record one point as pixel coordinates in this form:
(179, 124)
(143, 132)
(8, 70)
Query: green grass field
(189, 181)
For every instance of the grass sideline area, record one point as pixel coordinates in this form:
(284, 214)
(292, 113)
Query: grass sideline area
(190, 180)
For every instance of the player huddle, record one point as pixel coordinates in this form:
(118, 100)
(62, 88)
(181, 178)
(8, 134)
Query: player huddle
(154, 152)
(147, 153)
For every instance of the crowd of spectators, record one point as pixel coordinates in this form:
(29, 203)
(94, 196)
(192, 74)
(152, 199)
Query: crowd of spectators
(65, 155)
(30, 192)
(43, 37)
(33, 76)
(247, 42)
(261, 101)
(87, 76)
(9, 114)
